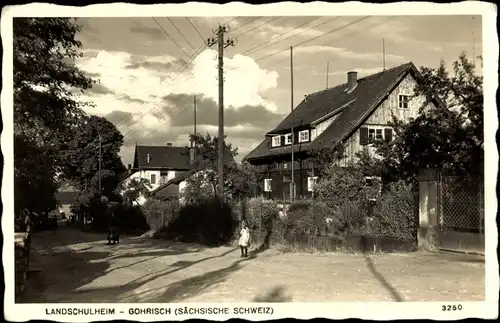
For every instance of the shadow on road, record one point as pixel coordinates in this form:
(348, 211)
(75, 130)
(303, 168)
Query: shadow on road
(394, 293)
(276, 294)
(61, 273)
(193, 286)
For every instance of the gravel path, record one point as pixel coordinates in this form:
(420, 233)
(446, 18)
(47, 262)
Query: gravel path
(77, 267)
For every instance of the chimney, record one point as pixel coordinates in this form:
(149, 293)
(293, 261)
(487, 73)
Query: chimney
(352, 80)
(169, 144)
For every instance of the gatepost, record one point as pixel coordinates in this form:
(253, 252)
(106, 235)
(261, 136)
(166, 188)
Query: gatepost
(428, 181)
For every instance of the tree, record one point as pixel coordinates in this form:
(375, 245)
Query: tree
(135, 188)
(243, 180)
(206, 148)
(46, 108)
(447, 135)
(82, 154)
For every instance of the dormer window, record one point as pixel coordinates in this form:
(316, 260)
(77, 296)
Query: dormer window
(276, 141)
(148, 157)
(304, 136)
(288, 139)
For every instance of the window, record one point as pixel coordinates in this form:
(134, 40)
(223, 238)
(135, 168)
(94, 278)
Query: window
(276, 141)
(267, 185)
(285, 165)
(369, 135)
(403, 101)
(153, 179)
(288, 139)
(311, 181)
(286, 179)
(304, 136)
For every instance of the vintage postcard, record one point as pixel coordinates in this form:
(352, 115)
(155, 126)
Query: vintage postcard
(286, 160)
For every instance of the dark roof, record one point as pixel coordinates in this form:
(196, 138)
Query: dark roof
(352, 108)
(200, 165)
(168, 157)
(66, 197)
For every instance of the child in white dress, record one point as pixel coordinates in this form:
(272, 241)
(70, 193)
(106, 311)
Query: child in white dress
(244, 239)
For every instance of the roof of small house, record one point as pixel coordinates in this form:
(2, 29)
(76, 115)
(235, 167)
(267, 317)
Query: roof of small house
(161, 157)
(198, 166)
(352, 108)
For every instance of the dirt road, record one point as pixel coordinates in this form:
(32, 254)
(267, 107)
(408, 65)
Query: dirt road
(78, 267)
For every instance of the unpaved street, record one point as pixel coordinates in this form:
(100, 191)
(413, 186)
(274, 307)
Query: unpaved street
(77, 267)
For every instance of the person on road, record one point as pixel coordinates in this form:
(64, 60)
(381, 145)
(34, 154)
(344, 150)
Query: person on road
(244, 239)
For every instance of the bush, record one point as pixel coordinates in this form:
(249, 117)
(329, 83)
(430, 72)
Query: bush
(210, 222)
(159, 213)
(396, 212)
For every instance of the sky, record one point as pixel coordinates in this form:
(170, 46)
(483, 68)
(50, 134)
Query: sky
(149, 69)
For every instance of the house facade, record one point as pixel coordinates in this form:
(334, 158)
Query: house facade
(353, 115)
(158, 165)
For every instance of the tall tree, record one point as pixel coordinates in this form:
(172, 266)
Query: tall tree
(81, 159)
(446, 135)
(46, 110)
(206, 148)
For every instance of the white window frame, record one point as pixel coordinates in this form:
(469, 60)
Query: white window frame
(311, 181)
(306, 132)
(404, 104)
(276, 141)
(267, 185)
(288, 139)
(372, 140)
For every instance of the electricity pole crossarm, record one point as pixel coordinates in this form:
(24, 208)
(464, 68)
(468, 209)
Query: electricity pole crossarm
(219, 40)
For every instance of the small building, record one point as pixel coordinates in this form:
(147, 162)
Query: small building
(158, 165)
(353, 115)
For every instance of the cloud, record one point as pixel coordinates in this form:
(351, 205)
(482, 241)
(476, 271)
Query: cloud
(207, 113)
(138, 94)
(150, 31)
(307, 31)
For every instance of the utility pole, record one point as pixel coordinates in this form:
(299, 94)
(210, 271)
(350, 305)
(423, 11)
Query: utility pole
(100, 165)
(292, 188)
(327, 72)
(383, 53)
(193, 140)
(221, 30)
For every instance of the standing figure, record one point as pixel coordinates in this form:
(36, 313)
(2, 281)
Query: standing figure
(244, 239)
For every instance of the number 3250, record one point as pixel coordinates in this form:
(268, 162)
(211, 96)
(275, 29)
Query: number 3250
(447, 308)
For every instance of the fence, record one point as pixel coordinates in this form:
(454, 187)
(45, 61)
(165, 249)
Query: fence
(160, 213)
(388, 223)
(461, 214)
(461, 205)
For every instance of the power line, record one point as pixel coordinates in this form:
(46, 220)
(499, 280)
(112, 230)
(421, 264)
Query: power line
(262, 24)
(182, 35)
(196, 29)
(168, 35)
(280, 35)
(180, 106)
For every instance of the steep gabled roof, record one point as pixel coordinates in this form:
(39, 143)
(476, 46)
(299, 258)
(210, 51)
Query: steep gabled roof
(352, 108)
(168, 157)
(198, 166)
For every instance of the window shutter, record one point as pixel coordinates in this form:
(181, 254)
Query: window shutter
(363, 136)
(388, 134)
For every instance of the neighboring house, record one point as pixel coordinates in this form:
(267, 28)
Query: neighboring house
(174, 187)
(353, 114)
(66, 198)
(158, 165)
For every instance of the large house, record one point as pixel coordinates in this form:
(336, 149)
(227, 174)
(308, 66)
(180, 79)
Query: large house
(353, 114)
(158, 164)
